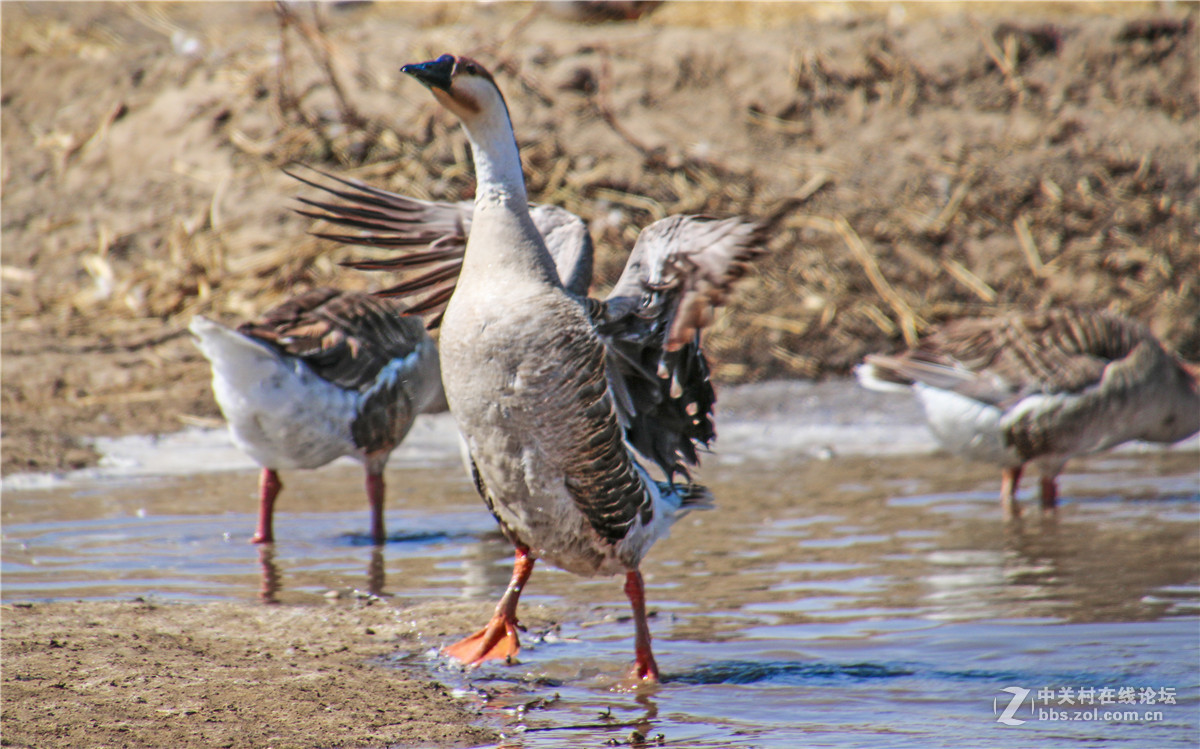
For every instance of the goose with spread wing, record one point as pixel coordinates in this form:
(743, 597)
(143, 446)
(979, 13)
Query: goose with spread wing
(327, 373)
(1040, 388)
(559, 397)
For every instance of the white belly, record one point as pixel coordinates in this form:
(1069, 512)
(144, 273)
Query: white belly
(965, 426)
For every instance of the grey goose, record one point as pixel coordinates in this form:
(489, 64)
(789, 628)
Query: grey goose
(326, 374)
(581, 417)
(1039, 388)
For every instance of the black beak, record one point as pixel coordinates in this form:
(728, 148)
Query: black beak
(433, 74)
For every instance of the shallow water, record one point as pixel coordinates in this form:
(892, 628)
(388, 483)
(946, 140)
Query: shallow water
(843, 593)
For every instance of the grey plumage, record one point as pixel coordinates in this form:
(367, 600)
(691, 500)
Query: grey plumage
(554, 392)
(1045, 387)
(325, 374)
(680, 270)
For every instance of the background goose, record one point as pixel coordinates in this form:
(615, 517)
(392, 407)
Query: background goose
(325, 374)
(1041, 388)
(554, 392)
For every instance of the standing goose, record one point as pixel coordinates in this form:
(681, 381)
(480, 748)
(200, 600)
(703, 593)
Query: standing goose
(325, 374)
(1041, 388)
(554, 392)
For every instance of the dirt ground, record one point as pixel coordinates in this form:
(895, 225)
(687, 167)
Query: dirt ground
(955, 159)
(139, 674)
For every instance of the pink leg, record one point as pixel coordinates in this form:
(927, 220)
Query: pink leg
(268, 488)
(635, 589)
(1049, 493)
(1009, 478)
(499, 638)
(375, 492)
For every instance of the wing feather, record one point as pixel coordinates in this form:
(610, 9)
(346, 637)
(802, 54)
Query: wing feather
(1000, 360)
(346, 338)
(680, 270)
(430, 232)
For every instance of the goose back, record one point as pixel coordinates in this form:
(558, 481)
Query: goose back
(327, 373)
(1062, 382)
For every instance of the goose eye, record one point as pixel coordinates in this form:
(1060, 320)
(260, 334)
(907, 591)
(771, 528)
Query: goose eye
(471, 69)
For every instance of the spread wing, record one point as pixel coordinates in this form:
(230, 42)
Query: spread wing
(432, 236)
(681, 269)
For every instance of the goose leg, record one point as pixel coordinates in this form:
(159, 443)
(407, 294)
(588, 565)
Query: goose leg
(1009, 478)
(499, 638)
(375, 492)
(646, 668)
(268, 488)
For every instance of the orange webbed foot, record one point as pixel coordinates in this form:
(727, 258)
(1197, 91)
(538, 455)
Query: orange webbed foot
(497, 641)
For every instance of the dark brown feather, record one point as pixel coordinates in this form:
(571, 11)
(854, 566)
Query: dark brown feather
(388, 220)
(680, 270)
(601, 475)
(1000, 360)
(346, 338)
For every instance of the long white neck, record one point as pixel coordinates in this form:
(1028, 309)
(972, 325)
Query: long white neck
(499, 179)
(501, 229)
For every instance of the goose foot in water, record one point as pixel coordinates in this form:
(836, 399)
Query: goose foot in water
(498, 640)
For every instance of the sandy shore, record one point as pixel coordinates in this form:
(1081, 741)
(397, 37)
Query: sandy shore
(145, 674)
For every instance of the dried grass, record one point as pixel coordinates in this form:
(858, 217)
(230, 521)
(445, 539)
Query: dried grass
(843, 278)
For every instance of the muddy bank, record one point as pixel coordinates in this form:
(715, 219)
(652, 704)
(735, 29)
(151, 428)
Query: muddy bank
(139, 674)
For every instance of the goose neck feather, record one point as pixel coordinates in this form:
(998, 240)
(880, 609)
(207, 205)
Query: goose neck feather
(499, 179)
(503, 235)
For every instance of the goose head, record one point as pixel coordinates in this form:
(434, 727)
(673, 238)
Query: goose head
(468, 90)
(460, 84)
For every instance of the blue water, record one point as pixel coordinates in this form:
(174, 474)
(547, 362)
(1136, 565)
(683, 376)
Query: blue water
(858, 601)
(914, 685)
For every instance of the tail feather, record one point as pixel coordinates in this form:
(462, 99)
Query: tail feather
(237, 358)
(873, 376)
(689, 496)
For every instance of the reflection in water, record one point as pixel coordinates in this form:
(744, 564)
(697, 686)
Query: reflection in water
(482, 565)
(512, 707)
(376, 575)
(269, 590)
(486, 566)
(271, 577)
(1043, 567)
